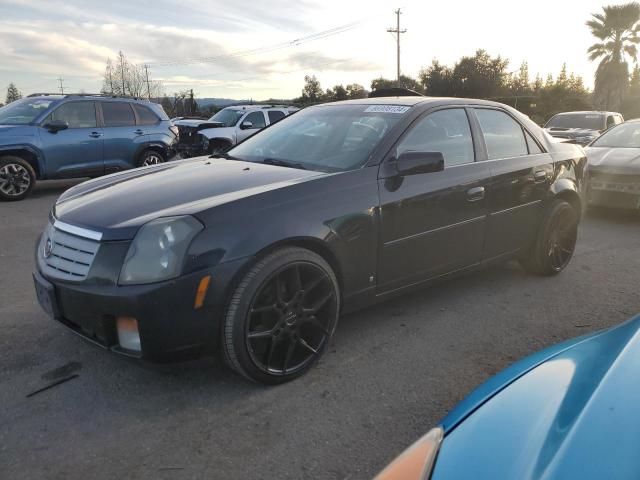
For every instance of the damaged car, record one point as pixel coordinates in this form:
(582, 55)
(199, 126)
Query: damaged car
(225, 129)
(581, 127)
(614, 167)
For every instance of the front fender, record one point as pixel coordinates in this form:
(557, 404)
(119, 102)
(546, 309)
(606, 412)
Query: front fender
(35, 152)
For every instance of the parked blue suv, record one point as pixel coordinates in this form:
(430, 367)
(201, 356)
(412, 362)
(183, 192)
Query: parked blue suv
(46, 136)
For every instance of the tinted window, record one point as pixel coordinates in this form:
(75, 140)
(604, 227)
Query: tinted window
(117, 114)
(445, 131)
(531, 143)
(502, 134)
(145, 116)
(76, 114)
(610, 121)
(275, 115)
(257, 119)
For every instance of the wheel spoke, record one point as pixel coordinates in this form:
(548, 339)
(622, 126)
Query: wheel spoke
(289, 355)
(272, 347)
(280, 290)
(297, 279)
(320, 303)
(309, 288)
(304, 343)
(313, 320)
(266, 308)
(260, 334)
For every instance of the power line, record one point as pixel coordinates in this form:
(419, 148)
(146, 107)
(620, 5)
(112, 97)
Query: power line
(397, 31)
(243, 53)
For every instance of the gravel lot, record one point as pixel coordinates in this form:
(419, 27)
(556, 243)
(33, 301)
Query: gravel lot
(392, 372)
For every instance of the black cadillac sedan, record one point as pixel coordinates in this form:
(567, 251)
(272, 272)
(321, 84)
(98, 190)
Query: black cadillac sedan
(257, 254)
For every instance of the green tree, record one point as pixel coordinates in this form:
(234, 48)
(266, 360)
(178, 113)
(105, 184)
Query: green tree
(312, 91)
(355, 90)
(13, 94)
(336, 93)
(480, 76)
(436, 80)
(405, 82)
(617, 29)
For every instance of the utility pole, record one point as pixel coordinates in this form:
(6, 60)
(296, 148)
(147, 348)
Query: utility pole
(60, 79)
(191, 103)
(397, 31)
(146, 71)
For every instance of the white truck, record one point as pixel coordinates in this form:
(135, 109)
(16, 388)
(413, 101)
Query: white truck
(226, 128)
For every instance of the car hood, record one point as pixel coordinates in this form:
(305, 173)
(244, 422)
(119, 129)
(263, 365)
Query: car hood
(117, 205)
(574, 415)
(195, 123)
(572, 132)
(614, 160)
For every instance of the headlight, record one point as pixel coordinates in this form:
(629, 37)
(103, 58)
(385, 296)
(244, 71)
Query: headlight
(158, 250)
(417, 461)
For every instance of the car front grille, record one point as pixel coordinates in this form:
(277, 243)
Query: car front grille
(67, 256)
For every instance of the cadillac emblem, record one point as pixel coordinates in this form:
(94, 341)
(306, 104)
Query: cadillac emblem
(48, 248)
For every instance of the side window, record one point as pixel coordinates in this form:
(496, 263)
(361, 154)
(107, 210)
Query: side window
(531, 143)
(503, 136)
(275, 115)
(145, 116)
(445, 131)
(76, 114)
(610, 121)
(117, 114)
(257, 119)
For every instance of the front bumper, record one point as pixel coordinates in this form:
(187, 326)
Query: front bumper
(170, 326)
(614, 190)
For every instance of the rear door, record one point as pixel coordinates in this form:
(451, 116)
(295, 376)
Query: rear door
(120, 135)
(275, 116)
(433, 223)
(78, 150)
(522, 174)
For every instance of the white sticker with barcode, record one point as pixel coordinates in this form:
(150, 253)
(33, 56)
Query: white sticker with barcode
(386, 109)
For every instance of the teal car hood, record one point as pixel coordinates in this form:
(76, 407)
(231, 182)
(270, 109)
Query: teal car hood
(568, 412)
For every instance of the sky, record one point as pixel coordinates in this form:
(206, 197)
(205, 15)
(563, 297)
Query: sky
(260, 50)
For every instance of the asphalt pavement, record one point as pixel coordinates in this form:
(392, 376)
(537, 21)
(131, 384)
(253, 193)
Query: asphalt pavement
(391, 373)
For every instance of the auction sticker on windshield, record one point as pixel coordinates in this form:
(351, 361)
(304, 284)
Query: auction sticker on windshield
(386, 109)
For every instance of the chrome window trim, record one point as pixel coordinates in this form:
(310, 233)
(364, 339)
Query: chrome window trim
(78, 231)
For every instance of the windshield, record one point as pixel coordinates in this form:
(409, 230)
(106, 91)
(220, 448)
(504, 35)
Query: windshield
(23, 112)
(626, 135)
(227, 117)
(326, 138)
(590, 121)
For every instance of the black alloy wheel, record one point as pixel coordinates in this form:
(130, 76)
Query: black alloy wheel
(282, 316)
(555, 243)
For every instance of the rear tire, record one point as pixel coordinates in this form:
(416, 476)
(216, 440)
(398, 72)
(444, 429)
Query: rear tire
(151, 157)
(281, 316)
(17, 178)
(555, 243)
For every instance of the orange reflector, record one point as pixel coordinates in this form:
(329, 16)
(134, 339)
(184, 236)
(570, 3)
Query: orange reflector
(202, 292)
(127, 324)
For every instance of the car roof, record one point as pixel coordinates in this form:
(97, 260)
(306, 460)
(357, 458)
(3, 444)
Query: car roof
(587, 112)
(92, 96)
(412, 100)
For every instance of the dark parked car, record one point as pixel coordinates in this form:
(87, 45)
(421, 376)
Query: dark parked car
(581, 127)
(328, 210)
(614, 167)
(68, 136)
(567, 412)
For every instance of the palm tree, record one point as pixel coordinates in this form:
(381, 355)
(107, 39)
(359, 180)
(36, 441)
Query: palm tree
(618, 30)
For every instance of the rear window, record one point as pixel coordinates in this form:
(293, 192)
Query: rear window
(118, 114)
(145, 116)
(590, 121)
(275, 115)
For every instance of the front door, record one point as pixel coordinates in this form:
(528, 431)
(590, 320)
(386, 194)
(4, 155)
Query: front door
(433, 223)
(78, 150)
(257, 121)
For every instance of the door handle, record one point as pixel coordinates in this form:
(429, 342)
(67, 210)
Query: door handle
(95, 134)
(475, 194)
(540, 176)
(138, 132)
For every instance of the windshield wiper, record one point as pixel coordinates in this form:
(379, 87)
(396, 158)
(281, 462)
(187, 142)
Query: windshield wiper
(224, 155)
(283, 163)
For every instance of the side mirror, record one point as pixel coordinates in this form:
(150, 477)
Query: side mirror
(56, 126)
(414, 163)
(246, 125)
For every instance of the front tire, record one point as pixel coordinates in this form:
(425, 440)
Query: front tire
(17, 178)
(151, 157)
(555, 243)
(281, 316)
